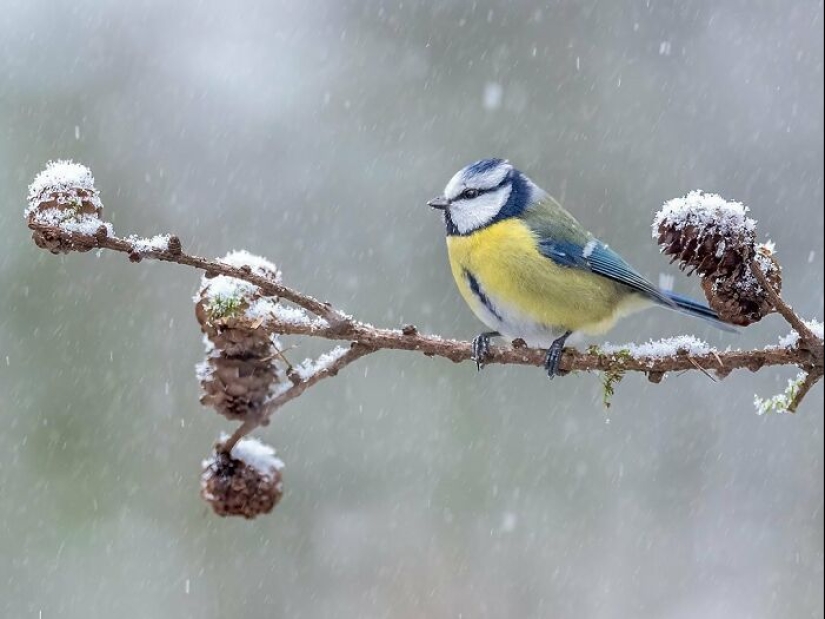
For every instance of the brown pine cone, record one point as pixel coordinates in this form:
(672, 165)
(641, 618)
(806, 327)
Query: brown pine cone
(706, 234)
(64, 195)
(246, 483)
(242, 363)
(738, 298)
(237, 387)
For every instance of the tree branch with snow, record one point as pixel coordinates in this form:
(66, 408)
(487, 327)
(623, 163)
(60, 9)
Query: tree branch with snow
(243, 308)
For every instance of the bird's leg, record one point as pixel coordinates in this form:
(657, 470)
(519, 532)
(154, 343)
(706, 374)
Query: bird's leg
(481, 347)
(553, 358)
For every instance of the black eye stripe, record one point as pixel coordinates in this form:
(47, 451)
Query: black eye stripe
(481, 192)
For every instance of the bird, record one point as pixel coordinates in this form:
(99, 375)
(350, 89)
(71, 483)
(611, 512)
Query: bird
(529, 270)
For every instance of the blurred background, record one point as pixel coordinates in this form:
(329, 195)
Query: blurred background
(313, 133)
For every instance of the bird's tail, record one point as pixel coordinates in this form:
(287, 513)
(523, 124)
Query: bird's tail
(698, 310)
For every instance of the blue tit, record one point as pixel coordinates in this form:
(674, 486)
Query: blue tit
(529, 270)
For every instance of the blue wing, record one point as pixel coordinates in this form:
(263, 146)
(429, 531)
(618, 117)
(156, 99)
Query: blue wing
(598, 258)
(564, 241)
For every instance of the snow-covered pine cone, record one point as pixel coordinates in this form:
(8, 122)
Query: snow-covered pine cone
(738, 298)
(246, 483)
(64, 195)
(242, 357)
(715, 238)
(706, 234)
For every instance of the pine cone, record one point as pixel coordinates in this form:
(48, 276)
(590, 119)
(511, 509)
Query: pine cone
(706, 234)
(738, 298)
(237, 387)
(242, 363)
(64, 195)
(246, 483)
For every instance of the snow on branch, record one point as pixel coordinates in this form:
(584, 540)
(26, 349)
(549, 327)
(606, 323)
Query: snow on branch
(243, 308)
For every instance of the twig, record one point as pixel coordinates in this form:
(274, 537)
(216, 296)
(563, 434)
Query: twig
(810, 380)
(703, 370)
(808, 340)
(210, 267)
(785, 310)
(355, 352)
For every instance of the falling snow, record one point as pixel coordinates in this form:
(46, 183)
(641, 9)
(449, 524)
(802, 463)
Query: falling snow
(313, 133)
(493, 94)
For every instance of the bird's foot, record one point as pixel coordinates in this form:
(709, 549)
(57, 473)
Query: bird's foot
(553, 359)
(481, 347)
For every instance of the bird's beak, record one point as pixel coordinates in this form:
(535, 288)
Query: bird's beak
(441, 203)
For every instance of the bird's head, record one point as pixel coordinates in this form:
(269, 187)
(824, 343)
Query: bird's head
(483, 193)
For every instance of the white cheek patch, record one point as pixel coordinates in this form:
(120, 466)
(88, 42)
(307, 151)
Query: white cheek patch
(469, 215)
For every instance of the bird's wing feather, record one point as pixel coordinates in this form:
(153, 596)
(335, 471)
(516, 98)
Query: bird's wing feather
(564, 241)
(598, 258)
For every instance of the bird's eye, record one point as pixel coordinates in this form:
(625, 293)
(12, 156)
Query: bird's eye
(469, 194)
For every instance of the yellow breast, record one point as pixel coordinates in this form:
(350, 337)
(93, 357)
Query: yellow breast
(523, 285)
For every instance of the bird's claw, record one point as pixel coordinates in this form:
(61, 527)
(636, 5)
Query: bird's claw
(481, 349)
(552, 361)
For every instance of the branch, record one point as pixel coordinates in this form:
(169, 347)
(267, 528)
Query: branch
(102, 240)
(246, 377)
(785, 310)
(623, 360)
(299, 385)
(810, 380)
(808, 340)
(343, 327)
